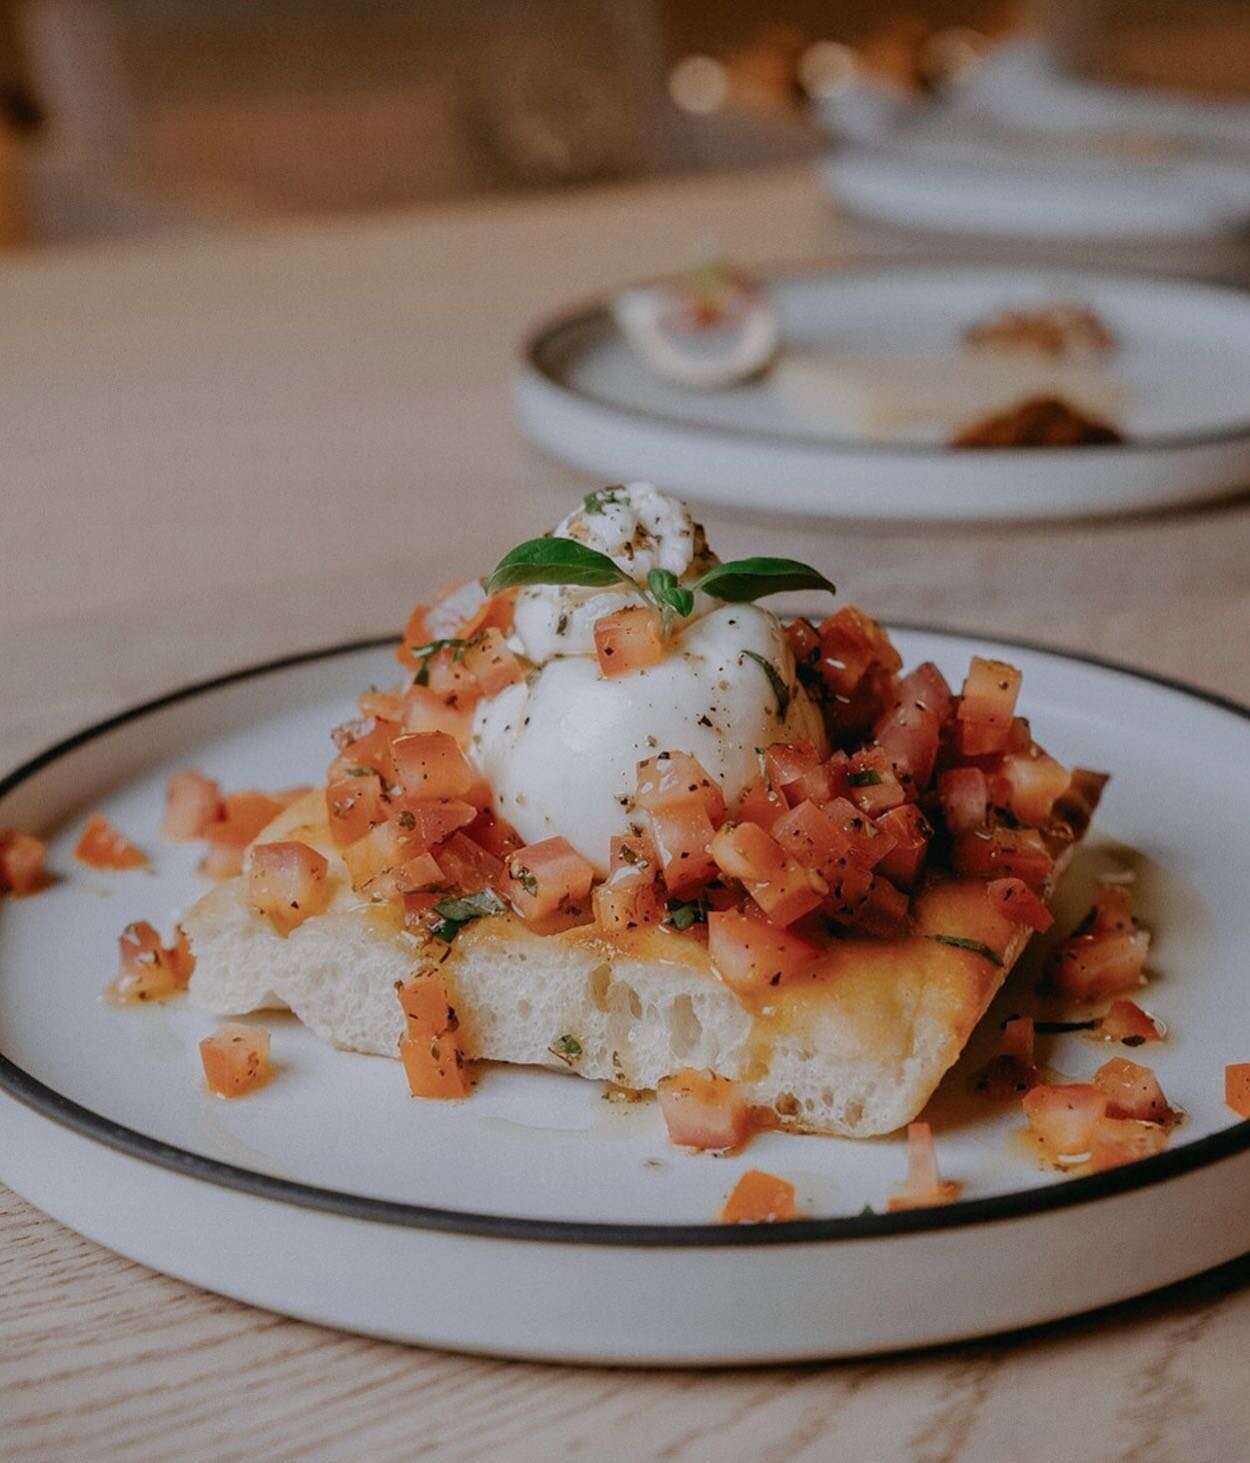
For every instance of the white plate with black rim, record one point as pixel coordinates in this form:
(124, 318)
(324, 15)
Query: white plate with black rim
(1180, 371)
(536, 1219)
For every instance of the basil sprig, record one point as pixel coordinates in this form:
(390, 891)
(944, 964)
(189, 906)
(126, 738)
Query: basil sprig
(565, 561)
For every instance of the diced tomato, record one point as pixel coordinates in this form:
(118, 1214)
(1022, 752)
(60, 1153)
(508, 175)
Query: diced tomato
(703, 1110)
(21, 862)
(1127, 1023)
(286, 883)
(390, 860)
(384, 705)
(1035, 780)
(871, 783)
(870, 842)
(1123, 1140)
(682, 833)
(1133, 1091)
(547, 878)
(426, 711)
(1106, 954)
(627, 640)
(671, 779)
(1064, 1117)
(1014, 898)
(143, 969)
(430, 820)
(1237, 1088)
(760, 804)
(354, 804)
(493, 833)
(179, 959)
(446, 674)
(235, 1059)
(784, 889)
(367, 744)
(1003, 853)
(489, 661)
(244, 815)
(469, 866)
(910, 831)
(987, 707)
(964, 798)
(759, 1198)
(807, 833)
(431, 765)
(909, 733)
(431, 1049)
(630, 897)
(192, 802)
(851, 644)
(883, 910)
(1018, 1037)
(101, 846)
(923, 1186)
(750, 954)
(795, 770)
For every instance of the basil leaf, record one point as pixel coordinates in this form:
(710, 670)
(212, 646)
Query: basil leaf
(975, 946)
(743, 580)
(672, 598)
(867, 778)
(780, 689)
(460, 909)
(567, 1046)
(426, 653)
(556, 561)
(682, 913)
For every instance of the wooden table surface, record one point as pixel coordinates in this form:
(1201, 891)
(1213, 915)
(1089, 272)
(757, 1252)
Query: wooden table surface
(224, 448)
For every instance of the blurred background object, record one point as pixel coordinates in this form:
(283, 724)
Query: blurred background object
(140, 116)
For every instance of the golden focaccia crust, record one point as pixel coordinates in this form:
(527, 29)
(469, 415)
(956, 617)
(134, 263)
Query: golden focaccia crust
(856, 1047)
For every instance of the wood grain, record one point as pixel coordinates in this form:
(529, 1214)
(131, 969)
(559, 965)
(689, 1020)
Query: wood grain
(226, 450)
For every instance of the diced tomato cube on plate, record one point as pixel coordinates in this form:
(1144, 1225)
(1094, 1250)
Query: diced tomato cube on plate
(759, 1198)
(235, 1059)
(1133, 1091)
(703, 1110)
(192, 802)
(1064, 1116)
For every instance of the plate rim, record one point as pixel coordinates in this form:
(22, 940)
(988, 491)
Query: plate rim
(47, 1102)
(541, 339)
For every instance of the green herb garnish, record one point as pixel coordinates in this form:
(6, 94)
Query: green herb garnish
(682, 913)
(866, 778)
(975, 946)
(780, 689)
(567, 1046)
(360, 772)
(524, 878)
(426, 653)
(460, 910)
(593, 502)
(565, 561)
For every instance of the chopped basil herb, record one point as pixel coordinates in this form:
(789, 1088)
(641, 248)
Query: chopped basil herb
(780, 690)
(975, 946)
(407, 820)
(458, 911)
(866, 778)
(682, 913)
(567, 1045)
(867, 1209)
(593, 502)
(360, 772)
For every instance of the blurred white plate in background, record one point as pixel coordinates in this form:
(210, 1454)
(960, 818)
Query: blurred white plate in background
(1182, 367)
